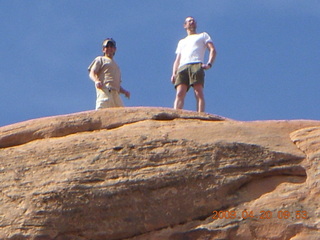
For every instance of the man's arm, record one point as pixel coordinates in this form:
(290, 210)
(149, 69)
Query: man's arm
(212, 52)
(94, 77)
(175, 68)
(212, 55)
(125, 92)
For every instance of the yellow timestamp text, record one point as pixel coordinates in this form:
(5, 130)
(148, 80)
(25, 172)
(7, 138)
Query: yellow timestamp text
(263, 214)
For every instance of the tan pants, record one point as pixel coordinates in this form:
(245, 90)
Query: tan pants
(108, 98)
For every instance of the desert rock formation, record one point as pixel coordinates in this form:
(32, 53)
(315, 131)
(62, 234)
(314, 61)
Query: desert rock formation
(157, 174)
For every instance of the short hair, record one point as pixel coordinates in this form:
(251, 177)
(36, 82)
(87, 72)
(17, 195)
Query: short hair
(189, 17)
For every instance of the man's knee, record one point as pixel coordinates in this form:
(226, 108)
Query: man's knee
(181, 91)
(180, 94)
(198, 90)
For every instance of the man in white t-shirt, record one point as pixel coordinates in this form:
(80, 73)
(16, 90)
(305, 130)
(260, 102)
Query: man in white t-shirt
(188, 67)
(106, 75)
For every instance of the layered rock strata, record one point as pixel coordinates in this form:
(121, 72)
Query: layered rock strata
(156, 173)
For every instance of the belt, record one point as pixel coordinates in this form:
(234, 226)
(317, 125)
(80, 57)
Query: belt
(110, 88)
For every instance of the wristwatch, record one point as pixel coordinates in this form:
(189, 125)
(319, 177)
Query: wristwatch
(209, 64)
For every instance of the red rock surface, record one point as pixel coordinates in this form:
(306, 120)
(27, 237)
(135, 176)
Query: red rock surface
(156, 173)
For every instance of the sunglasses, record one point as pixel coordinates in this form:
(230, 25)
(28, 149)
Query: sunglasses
(189, 20)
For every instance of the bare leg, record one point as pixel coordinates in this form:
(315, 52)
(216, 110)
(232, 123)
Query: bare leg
(180, 95)
(198, 92)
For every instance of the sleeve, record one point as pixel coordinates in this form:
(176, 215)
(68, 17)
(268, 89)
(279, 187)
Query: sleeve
(206, 38)
(95, 65)
(178, 50)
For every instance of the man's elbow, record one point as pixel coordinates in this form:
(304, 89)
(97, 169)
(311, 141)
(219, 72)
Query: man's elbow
(91, 74)
(213, 51)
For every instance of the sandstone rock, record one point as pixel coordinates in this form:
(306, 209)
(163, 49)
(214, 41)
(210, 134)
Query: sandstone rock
(155, 173)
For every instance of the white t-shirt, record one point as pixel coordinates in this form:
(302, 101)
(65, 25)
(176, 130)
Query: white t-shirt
(192, 48)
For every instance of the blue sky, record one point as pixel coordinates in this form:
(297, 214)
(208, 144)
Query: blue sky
(267, 65)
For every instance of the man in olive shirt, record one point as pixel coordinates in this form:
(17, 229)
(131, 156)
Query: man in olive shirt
(106, 75)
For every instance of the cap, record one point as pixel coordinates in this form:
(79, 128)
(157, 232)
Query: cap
(109, 41)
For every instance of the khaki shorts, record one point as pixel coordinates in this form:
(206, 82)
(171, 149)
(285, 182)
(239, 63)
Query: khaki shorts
(107, 98)
(190, 74)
